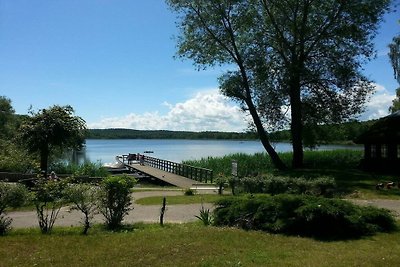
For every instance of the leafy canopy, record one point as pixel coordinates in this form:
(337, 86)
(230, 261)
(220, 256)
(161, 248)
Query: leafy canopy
(293, 62)
(50, 129)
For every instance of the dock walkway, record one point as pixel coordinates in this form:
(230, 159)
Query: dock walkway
(170, 178)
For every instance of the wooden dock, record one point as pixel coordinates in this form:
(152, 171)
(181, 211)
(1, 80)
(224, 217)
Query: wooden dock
(176, 174)
(164, 176)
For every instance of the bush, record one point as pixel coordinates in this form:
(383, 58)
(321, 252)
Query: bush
(115, 199)
(84, 198)
(270, 184)
(189, 192)
(303, 215)
(11, 195)
(86, 169)
(48, 199)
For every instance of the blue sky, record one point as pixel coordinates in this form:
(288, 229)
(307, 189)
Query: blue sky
(112, 60)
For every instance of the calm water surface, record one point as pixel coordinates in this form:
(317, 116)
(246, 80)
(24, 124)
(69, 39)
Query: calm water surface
(178, 150)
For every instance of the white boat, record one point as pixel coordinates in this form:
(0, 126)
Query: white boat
(116, 166)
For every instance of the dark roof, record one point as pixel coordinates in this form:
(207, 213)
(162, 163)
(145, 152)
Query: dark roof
(385, 130)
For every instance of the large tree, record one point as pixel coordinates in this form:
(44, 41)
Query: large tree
(55, 128)
(394, 55)
(298, 55)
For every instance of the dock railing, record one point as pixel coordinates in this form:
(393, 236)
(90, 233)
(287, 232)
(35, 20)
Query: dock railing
(195, 173)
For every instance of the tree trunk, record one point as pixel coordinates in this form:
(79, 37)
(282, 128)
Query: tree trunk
(296, 126)
(276, 160)
(44, 155)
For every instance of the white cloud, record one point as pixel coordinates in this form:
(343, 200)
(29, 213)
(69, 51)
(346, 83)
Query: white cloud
(379, 104)
(206, 111)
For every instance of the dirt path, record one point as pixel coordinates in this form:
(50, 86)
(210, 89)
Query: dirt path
(393, 205)
(151, 213)
(140, 213)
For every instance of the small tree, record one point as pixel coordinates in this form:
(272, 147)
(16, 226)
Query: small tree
(51, 129)
(48, 199)
(10, 196)
(84, 197)
(115, 199)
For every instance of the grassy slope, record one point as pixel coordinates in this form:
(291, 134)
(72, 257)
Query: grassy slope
(191, 245)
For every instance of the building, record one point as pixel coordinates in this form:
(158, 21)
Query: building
(382, 145)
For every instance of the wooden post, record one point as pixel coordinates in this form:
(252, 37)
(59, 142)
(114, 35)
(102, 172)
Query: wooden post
(162, 211)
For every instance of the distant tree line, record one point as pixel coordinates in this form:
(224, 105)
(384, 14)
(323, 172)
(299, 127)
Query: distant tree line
(321, 134)
(340, 133)
(164, 134)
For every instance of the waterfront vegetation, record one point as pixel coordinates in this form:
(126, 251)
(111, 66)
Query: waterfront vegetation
(190, 244)
(341, 165)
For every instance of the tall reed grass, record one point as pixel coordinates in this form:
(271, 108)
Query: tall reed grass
(250, 165)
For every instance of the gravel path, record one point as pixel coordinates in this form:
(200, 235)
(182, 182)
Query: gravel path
(140, 213)
(151, 213)
(393, 205)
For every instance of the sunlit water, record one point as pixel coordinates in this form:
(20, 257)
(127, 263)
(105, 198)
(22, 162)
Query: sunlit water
(178, 150)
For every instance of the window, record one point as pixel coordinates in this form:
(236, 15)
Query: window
(384, 151)
(373, 151)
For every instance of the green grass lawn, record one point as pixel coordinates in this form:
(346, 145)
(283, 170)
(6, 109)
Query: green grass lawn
(174, 200)
(190, 245)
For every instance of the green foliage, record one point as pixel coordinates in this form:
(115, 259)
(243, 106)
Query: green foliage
(271, 184)
(48, 198)
(50, 130)
(189, 192)
(205, 216)
(91, 169)
(396, 102)
(394, 55)
(11, 196)
(306, 55)
(6, 113)
(115, 199)
(85, 198)
(259, 163)
(221, 181)
(303, 215)
(341, 133)
(14, 159)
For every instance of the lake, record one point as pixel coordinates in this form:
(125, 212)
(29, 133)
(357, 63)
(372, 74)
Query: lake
(177, 150)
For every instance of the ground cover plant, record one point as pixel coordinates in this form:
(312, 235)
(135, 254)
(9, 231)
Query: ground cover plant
(303, 215)
(190, 245)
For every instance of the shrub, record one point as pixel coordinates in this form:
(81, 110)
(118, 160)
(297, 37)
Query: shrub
(115, 199)
(48, 199)
(189, 192)
(270, 184)
(220, 182)
(11, 195)
(303, 215)
(86, 169)
(84, 198)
